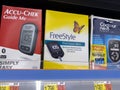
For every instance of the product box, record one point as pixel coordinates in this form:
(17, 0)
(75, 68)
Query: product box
(105, 43)
(66, 41)
(20, 38)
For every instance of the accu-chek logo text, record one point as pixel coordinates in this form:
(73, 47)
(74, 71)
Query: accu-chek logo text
(20, 12)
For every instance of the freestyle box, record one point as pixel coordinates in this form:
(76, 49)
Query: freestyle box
(66, 41)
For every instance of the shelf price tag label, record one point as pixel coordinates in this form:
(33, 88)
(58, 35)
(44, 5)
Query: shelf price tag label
(50, 87)
(4, 87)
(99, 86)
(108, 86)
(9, 86)
(61, 86)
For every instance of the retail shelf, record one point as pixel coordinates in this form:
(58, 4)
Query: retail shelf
(58, 74)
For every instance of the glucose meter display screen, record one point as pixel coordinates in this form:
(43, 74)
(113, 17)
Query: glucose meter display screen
(27, 37)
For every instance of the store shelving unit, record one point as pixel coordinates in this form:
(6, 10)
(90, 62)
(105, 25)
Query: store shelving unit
(97, 7)
(59, 75)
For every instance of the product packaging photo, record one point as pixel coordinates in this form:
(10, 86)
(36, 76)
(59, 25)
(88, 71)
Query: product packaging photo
(20, 38)
(66, 40)
(105, 42)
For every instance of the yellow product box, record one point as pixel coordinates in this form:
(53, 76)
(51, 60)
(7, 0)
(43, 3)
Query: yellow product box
(66, 41)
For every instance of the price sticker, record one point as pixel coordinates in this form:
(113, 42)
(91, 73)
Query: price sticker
(61, 86)
(108, 86)
(4, 87)
(99, 86)
(51, 87)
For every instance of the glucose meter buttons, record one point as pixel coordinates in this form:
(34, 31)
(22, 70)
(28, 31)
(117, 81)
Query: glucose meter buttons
(115, 56)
